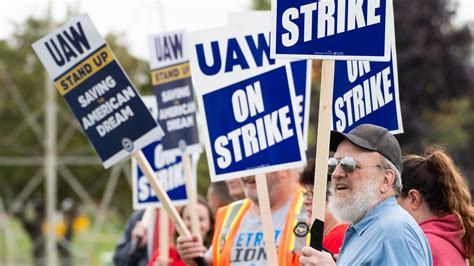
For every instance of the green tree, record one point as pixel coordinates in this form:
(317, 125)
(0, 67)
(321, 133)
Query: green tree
(22, 88)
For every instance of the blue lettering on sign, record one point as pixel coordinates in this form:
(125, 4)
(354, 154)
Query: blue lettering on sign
(330, 27)
(234, 55)
(365, 92)
(169, 47)
(68, 44)
(255, 126)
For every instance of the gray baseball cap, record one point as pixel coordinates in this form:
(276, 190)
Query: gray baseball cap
(373, 138)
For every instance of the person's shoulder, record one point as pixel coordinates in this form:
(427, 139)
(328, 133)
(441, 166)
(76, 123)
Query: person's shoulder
(235, 204)
(395, 222)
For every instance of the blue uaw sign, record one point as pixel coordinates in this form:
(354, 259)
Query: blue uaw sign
(300, 69)
(248, 102)
(171, 80)
(102, 98)
(366, 92)
(332, 29)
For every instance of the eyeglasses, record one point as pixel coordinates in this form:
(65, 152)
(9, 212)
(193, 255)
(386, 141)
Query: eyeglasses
(308, 194)
(348, 164)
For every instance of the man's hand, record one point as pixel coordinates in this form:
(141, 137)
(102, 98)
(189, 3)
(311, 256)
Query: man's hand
(139, 234)
(190, 248)
(310, 256)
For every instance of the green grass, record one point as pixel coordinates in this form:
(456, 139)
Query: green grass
(87, 248)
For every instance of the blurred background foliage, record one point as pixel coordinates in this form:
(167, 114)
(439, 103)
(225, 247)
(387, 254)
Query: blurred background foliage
(436, 81)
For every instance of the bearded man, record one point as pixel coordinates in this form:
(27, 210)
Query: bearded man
(365, 180)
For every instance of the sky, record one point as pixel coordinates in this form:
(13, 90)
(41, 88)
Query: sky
(137, 19)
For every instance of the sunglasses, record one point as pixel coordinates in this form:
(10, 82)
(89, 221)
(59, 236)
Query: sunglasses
(348, 164)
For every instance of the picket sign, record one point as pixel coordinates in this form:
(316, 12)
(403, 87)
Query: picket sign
(169, 54)
(160, 193)
(102, 98)
(239, 94)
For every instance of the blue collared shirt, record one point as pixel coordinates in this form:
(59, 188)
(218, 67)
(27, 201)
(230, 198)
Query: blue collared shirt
(387, 235)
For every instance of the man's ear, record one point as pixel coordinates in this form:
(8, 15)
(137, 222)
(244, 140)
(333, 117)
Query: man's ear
(388, 180)
(415, 198)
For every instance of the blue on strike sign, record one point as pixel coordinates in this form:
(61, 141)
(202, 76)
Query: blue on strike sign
(169, 173)
(105, 103)
(251, 125)
(366, 92)
(332, 29)
(248, 101)
(300, 69)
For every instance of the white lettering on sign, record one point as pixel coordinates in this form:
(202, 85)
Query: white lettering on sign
(363, 99)
(255, 136)
(107, 107)
(68, 44)
(94, 93)
(348, 16)
(175, 94)
(299, 109)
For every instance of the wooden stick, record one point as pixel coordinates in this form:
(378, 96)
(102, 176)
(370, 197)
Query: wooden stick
(322, 146)
(266, 216)
(160, 193)
(192, 198)
(146, 216)
(164, 235)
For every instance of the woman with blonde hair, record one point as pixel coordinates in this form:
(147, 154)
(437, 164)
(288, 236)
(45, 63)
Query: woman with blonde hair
(436, 194)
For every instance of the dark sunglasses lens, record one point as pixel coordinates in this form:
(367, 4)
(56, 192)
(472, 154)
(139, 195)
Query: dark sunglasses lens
(348, 164)
(332, 164)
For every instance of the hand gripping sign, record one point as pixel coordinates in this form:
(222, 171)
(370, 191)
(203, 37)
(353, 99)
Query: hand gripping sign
(104, 101)
(108, 108)
(331, 29)
(300, 69)
(248, 101)
(171, 80)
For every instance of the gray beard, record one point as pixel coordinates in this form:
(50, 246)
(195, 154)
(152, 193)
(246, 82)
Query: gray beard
(355, 207)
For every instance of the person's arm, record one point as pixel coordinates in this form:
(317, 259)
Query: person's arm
(190, 248)
(123, 254)
(310, 256)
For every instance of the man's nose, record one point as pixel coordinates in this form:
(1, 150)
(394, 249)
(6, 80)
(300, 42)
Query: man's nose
(338, 172)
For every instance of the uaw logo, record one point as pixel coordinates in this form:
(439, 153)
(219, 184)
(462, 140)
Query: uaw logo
(301, 229)
(127, 144)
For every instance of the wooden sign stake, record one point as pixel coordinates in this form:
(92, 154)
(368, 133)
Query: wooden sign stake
(322, 152)
(266, 216)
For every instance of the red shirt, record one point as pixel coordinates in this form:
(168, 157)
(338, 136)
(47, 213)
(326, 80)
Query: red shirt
(174, 258)
(332, 241)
